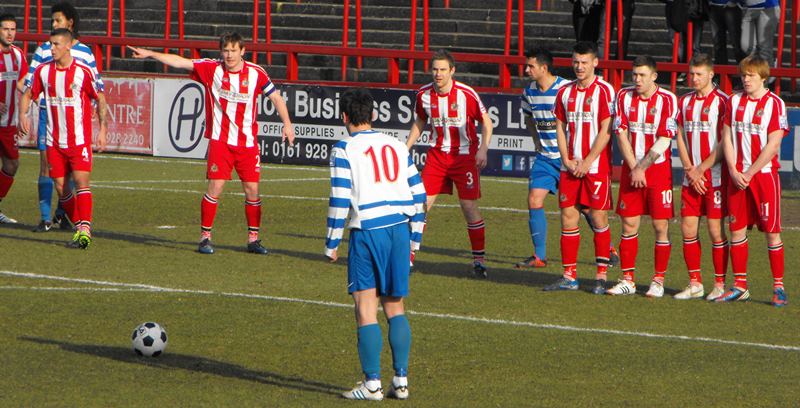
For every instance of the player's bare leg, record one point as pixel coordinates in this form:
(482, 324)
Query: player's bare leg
(477, 236)
(208, 211)
(252, 210)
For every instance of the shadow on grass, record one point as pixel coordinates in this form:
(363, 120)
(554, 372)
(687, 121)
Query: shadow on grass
(192, 363)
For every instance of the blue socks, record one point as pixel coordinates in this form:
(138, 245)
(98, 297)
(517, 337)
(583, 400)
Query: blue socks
(370, 343)
(45, 196)
(537, 223)
(400, 340)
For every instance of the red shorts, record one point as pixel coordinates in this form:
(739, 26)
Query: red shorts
(592, 191)
(712, 204)
(223, 158)
(759, 204)
(655, 199)
(64, 161)
(8, 143)
(443, 169)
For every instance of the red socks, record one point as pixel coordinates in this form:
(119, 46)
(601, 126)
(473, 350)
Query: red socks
(628, 248)
(477, 238)
(208, 210)
(252, 209)
(570, 243)
(739, 252)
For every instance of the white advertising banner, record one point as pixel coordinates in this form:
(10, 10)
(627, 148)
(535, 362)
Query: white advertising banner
(179, 119)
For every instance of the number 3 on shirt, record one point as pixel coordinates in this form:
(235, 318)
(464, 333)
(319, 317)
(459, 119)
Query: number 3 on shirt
(389, 164)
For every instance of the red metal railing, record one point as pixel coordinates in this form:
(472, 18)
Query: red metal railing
(614, 70)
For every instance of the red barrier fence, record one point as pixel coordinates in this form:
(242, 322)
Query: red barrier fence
(612, 69)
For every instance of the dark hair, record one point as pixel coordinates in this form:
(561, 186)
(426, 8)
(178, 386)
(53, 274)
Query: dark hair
(64, 32)
(645, 61)
(701, 59)
(8, 17)
(231, 38)
(357, 104)
(70, 13)
(585, 47)
(542, 56)
(444, 55)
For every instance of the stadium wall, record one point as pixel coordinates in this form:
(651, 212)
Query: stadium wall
(165, 117)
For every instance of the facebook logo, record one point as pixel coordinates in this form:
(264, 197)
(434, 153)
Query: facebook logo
(508, 162)
(519, 163)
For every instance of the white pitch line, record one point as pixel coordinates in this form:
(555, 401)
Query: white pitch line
(122, 287)
(265, 180)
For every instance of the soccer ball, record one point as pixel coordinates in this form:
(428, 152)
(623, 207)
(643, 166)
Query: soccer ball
(149, 339)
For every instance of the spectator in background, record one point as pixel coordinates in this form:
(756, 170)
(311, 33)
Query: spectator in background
(726, 28)
(679, 14)
(759, 24)
(587, 18)
(628, 7)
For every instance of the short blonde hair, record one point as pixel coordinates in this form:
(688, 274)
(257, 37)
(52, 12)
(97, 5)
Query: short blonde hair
(755, 64)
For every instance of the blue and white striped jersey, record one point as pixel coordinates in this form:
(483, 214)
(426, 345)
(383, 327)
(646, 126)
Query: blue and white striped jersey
(373, 174)
(539, 105)
(80, 51)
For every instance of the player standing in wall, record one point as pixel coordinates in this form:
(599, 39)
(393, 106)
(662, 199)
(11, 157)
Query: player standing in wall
(704, 190)
(68, 86)
(452, 110)
(537, 103)
(645, 122)
(232, 86)
(755, 124)
(373, 174)
(583, 111)
(12, 67)
(63, 15)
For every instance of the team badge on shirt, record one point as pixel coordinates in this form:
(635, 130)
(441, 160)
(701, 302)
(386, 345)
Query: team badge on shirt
(759, 112)
(245, 82)
(621, 205)
(214, 168)
(706, 110)
(588, 100)
(453, 106)
(653, 110)
(562, 197)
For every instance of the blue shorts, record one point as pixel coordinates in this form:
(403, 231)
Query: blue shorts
(378, 259)
(545, 173)
(41, 130)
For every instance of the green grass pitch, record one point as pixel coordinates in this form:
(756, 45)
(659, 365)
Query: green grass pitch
(279, 330)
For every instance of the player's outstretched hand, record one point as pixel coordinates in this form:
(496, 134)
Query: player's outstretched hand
(140, 52)
(333, 256)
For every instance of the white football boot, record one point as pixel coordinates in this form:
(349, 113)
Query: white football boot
(623, 287)
(692, 291)
(656, 290)
(715, 293)
(398, 389)
(362, 392)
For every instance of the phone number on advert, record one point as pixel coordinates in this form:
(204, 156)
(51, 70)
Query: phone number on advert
(308, 151)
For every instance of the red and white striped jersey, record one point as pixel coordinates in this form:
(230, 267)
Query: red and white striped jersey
(647, 119)
(452, 117)
(701, 118)
(751, 121)
(582, 110)
(231, 100)
(68, 94)
(12, 66)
